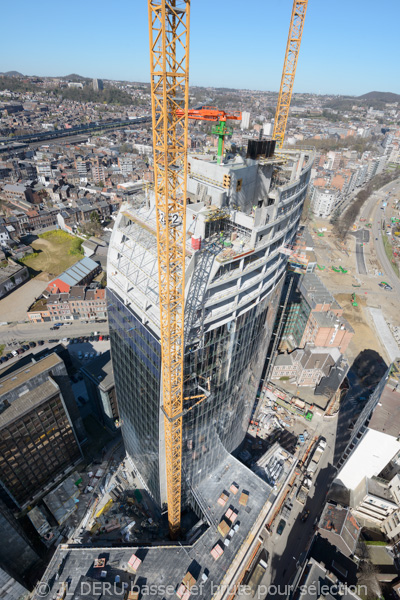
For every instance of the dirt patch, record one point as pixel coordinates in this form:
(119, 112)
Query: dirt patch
(364, 337)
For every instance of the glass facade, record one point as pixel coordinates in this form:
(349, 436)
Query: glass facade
(136, 356)
(233, 285)
(298, 313)
(228, 366)
(35, 448)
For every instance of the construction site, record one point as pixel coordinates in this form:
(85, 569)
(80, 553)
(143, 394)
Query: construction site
(195, 270)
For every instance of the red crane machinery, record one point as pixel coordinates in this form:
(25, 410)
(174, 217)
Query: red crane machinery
(213, 114)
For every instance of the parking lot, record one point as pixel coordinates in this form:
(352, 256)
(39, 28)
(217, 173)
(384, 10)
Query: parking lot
(81, 349)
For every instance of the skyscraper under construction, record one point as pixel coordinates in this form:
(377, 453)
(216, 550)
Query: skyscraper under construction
(241, 220)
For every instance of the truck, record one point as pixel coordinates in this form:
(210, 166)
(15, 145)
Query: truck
(257, 575)
(303, 491)
(316, 456)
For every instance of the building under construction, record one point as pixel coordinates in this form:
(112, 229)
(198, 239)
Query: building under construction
(242, 217)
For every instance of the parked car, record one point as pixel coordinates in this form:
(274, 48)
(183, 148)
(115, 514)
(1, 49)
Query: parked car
(32, 344)
(281, 527)
(14, 353)
(20, 351)
(9, 355)
(40, 342)
(3, 359)
(25, 347)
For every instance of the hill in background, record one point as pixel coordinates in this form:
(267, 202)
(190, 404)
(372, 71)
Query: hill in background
(380, 96)
(12, 74)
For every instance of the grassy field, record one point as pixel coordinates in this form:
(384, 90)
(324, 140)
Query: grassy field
(55, 251)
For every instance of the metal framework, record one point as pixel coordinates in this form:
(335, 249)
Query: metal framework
(169, 22)
(289, 70)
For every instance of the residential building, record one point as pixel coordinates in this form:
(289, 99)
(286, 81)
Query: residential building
(15, 192)
(245, 124)
(326, 329)
(12, 275)
(306, 366)
(324, 200)
(126, 165)
(340, 528)
(79, 303)
(318, 582)
(372, 500)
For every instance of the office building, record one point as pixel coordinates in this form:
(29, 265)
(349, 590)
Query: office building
(10, 589)
(98, 85)
(40, 430)
(18, 556)
(99, 380)
(240, 220)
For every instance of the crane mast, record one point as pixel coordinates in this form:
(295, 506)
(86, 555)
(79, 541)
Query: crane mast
(169, 22)
(289, 70)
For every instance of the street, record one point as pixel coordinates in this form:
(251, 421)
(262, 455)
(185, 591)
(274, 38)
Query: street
(41, 331)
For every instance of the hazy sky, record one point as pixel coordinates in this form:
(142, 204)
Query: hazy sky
(348, 47)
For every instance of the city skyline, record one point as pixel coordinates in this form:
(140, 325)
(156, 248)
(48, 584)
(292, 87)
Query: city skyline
(252, 55)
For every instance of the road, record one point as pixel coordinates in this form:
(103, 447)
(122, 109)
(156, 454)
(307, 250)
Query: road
(362, 237)
(288, 550)
(390, 275)
(27, 332)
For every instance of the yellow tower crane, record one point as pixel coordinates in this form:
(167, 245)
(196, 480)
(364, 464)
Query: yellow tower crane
(289, 70)
(169, 22)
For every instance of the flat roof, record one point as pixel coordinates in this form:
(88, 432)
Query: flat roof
(28, 400)
(16, 378)
(167, 564)
(101, 370)
(314, 290)
(369, 457)
(386, 415)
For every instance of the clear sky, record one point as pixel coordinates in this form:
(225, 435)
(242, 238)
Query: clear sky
(348, 47)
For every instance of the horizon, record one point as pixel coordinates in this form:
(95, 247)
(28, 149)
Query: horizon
(74, 74)
(247, 52)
